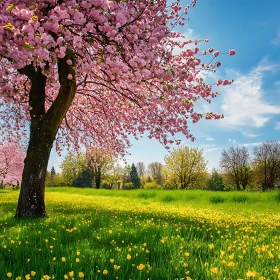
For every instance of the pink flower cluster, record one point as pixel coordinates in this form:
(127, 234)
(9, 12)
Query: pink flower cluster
(128, 78)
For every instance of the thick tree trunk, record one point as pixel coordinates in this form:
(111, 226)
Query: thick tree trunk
(43, 129)
(31, 201)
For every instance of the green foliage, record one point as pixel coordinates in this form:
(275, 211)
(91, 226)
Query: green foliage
(152, 185)
(185, 168)
(147, 194)
(240, 199)
(217, 199)
(128, 186)
(215, 183)
(168, 198)
(277, 196)
(134, 178)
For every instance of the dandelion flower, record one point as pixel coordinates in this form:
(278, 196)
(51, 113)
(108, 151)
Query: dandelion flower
(187, 254)
(77, 260)
(33, 273)
(112, 260)
(105, 271)
(9, 274)
(214, 270)
(128, 257)
(81, 275)
(63, 259)
(140, 266)
(71, 273)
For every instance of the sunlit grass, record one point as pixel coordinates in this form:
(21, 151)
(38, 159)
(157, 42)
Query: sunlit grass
(143, 234)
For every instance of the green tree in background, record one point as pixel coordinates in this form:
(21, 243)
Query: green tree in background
(185, 168)
(134, 177)
(215, 183)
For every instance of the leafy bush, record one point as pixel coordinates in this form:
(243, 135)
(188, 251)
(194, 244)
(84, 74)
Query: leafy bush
(240, 199)
(277, 196)
(152, 185)
(168, 198)
(146, 194)
(127, 186)
(217, 199)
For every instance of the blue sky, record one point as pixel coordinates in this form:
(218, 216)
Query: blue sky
(252, 104)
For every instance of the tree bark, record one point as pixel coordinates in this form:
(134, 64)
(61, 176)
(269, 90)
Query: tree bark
(43, 129)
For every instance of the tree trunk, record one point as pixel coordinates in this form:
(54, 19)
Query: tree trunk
(31, 201)
(43, 129)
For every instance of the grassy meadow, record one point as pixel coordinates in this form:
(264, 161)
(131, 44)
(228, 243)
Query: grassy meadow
(143, 234)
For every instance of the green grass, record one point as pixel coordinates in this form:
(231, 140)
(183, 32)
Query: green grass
(171, 234)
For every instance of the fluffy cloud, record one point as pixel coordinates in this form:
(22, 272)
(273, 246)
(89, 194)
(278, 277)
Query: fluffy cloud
(243, 102)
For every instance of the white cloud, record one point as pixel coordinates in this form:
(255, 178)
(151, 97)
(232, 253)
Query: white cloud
(276, 40)
(210, 150)
(232, 141)
(251, 144)
(210, 139)
(277, 126)
(250, 135)
(243, 102)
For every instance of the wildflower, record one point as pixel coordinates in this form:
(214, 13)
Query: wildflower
(33, 273)
(65, 276)
(187, 254)
(214, 270)
(251, 274)
(211, 246)
(117, 267)
(105, 271)
(18, 278)
(128, 257)
(27, 276)
(81, 275)
(112, 260)
(231, 256)
(54, 258)
(9, 274)
(110, 231)
(78, 253)
(63, 259)
(140, 266)
(71, 273)
(231, 264)
(77, 260)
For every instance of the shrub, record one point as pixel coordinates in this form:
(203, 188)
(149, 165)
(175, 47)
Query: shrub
(240, 199)
(152, 186)
(146, 194)
(168, 198)
(127, 186)
(217, 199)
(277, 196)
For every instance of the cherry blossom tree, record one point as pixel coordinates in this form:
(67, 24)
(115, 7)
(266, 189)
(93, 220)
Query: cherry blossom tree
(83, 71)
(11, 164)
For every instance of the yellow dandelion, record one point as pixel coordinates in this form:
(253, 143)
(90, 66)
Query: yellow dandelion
(54, 258)
(78, 253)
(63, 259)
(231, 256)
(128, 257)
(231, 264)
(27, 276)
(71, 273)
(214, 270)
(81, 275)
(117, 267)
(110, 231)
(251, 274)
(140, 266)
(33, 273)
(105, 271)
(77, 260)
(187, 254)
(211, 246)
(9, 274)
(65, 276)
(112, 260)
(18, 278)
